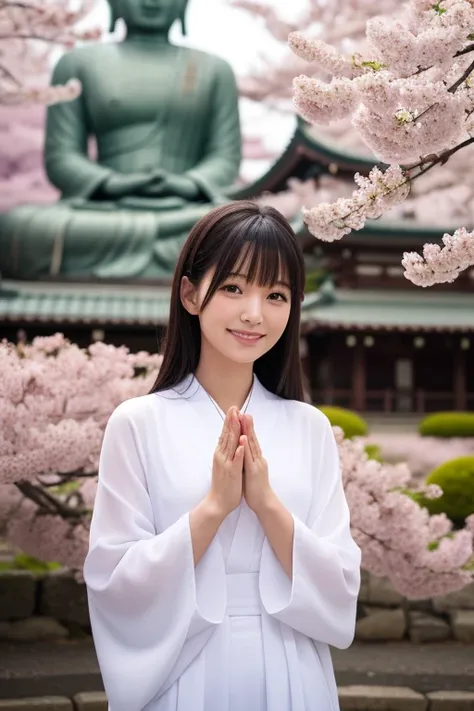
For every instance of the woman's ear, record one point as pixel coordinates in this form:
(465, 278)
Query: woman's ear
(189, 296)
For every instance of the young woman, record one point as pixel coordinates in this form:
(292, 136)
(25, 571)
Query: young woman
(221, 564)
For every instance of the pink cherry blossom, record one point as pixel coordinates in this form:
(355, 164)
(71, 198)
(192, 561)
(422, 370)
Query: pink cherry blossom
(421, 554)
(55, 399)
(324, 55)
(441, 263)
(28, 32)
(318, 102)
(405, 50)
(408, 92)
(412, 105)
(331, 221)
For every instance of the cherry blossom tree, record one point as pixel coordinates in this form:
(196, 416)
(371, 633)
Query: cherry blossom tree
(399, 84)
(419, 553)
(340, 22)
(28, 31)
(410, 97)
(55, 400)
(22, 176)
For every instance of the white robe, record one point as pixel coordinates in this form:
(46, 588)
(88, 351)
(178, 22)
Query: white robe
(234, 633)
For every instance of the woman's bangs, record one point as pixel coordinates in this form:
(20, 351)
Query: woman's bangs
(263, 253)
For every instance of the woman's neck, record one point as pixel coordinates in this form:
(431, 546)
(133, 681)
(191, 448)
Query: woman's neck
(227, 383)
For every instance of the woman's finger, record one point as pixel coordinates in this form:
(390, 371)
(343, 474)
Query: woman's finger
(222, 435)
(239, 456)
(247, 433)
(225, 434)
(248, 459)
(234, 432)
(251, 438)
(255, 439)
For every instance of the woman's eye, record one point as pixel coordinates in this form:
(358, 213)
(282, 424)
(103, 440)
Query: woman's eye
(277, 296)
(231, 288)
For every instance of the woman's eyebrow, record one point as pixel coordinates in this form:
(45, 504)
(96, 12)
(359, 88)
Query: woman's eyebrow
(244, 276)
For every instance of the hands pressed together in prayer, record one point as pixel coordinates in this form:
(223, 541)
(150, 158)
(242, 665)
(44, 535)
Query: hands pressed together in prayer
(239, 468)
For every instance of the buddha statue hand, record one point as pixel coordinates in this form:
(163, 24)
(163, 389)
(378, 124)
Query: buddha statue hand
(172, 185)
(120, 185)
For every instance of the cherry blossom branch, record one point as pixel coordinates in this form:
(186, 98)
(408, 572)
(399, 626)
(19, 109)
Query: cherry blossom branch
(466, 50)
(46, 503)
(460, 53)
(9, 74)
(441, 159)
(452, 89)
(65, 479)
(401, 112)
(406, 556)
(31, 36)
(381, 190)
(21, 5)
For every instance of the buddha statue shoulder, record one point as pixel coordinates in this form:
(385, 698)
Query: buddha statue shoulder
(165, 123)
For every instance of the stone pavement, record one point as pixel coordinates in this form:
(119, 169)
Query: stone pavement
(69, 668)
(351, 698)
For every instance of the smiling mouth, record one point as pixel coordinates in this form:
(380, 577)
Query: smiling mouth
(246, 335)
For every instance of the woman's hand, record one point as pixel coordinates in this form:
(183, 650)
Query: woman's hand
(257, 490)
(227, 469)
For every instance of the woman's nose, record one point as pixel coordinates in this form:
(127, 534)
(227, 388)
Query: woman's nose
(252, 312)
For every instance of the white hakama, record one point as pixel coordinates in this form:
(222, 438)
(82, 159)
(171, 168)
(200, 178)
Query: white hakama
(234, 633)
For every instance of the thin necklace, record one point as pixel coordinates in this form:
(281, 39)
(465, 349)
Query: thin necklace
(249, 397)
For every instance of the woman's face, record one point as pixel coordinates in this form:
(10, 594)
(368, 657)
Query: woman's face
(242, 321)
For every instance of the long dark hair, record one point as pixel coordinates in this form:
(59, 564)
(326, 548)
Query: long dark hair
(241, 232)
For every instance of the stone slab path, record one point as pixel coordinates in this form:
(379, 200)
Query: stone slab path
(68, 668)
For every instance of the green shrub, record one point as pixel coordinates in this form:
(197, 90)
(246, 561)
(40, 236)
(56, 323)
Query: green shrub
(350, 422)
(373, 452)
(448, 424)
(456, 479)
(27, 562)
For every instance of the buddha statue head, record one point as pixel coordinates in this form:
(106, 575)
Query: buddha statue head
(148, 16)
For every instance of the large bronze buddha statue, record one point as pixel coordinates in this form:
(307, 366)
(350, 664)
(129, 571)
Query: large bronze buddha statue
(166, 125)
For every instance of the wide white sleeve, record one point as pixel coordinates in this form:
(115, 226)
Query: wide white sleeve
(320, 600)
(147, 601)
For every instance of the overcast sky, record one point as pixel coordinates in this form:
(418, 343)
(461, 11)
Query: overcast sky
(215, 26)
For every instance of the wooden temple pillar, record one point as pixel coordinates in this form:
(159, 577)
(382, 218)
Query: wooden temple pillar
(459, 379)
(358, 377)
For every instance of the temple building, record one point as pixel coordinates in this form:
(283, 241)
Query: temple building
(371, 340)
